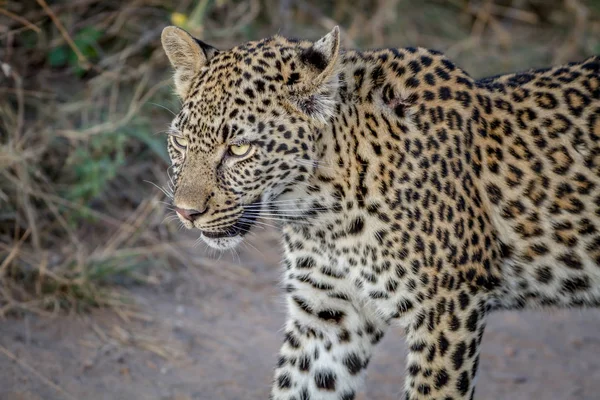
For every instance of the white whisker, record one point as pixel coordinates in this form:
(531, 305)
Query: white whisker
(164, 107)
(288, 209)
(170, 195)
(303, 221)
(258, 214)
(254, 247)
(170, 218)
(249, 222)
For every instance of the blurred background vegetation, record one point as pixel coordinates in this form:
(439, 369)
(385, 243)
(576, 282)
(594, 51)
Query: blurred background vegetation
(85, 93)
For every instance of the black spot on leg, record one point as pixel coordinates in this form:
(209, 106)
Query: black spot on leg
(472, 321)
(458, 357)
(404, 305)
(418, 347)
(443, 344)
(544, 274)
(348, 396)
(304, 395)
(424, 389)
(284, 381)
(331, 315)
(571, 260)
(463, 383)
(292, 340)
(325, 380)
(302, 304)
(441, 379)
(413, 369)
(431, 351)
(305, 263)
(463, 300)
(454, 323)
(344, 336)
(304, 363)
(353, 362)
(576, 284)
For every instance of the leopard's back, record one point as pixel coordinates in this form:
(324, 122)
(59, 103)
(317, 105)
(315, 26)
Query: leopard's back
(540, 160)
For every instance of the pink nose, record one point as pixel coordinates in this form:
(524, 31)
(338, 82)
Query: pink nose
(190, 215)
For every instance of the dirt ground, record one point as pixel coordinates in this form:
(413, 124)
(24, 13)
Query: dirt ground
(213, 333)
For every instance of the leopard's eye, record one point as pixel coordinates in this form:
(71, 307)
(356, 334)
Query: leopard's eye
(239, 150)
(180, 142)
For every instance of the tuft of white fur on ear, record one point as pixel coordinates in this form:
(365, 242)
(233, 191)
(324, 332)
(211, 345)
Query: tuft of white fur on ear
(320, 104)
(316, 97)
(187, 56)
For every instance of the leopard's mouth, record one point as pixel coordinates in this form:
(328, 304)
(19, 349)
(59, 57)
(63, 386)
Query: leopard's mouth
(241, 227)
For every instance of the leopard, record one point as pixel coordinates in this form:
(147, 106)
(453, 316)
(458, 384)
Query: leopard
(405, 192)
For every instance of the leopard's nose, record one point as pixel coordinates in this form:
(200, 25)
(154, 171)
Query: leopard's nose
(190, 215)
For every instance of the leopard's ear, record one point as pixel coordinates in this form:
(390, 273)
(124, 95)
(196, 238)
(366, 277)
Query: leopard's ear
(317, 96)
(187, 55)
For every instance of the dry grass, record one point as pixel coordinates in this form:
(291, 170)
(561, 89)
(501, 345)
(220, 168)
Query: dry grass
(85, 92)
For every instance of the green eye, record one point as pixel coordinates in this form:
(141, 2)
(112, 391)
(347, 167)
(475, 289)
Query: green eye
(179, 142)
(239, 150)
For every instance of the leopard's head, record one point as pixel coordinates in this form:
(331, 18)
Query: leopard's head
(248, 131)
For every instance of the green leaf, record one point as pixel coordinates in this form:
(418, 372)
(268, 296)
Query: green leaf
(86, 40)
(88, 35)
(58, 56)
(95, 165)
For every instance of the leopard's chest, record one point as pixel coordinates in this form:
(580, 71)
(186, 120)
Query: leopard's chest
(354, 268)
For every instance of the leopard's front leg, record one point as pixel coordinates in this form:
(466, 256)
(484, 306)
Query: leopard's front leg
(444, 343)
(327, 347)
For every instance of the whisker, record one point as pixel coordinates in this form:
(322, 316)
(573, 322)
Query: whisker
(198, 241)
(170, 195)
(286, 220)
(169, 219)
(284, 206)
(164, 131)
(292, 204)
(290, 209)
(166, 108)
(299, 215)
(254, 247)
(283, 201)
(232, 254)
(172, 185)
(248, 222)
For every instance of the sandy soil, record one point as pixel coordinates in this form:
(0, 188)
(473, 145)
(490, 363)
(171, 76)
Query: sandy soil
(213, 333)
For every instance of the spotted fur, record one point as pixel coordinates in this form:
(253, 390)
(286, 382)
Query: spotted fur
(407, 192)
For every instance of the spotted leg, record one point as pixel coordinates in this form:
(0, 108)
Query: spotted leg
(325, 351)
(444, 349)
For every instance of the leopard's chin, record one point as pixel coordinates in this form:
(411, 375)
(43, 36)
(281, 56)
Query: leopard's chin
(223, 243)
